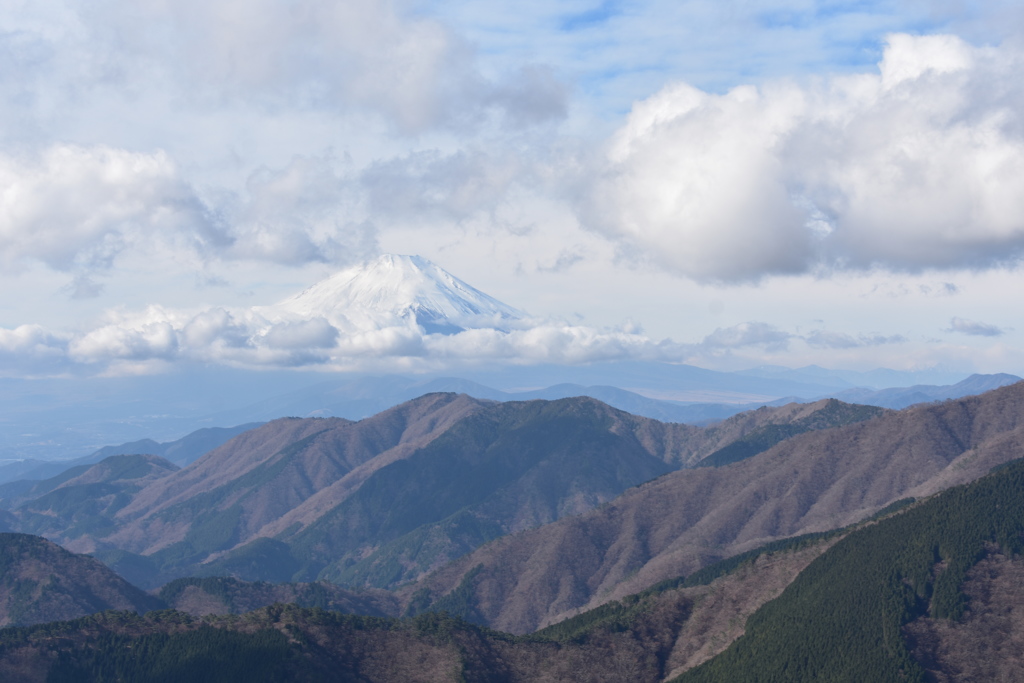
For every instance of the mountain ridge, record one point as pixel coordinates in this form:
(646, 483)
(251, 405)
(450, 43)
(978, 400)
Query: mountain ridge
(267, 495)
(685, 519)
(41, 581)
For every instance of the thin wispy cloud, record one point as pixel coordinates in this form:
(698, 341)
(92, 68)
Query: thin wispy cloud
(974, 328)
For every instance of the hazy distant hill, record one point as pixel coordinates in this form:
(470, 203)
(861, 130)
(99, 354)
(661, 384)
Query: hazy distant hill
(903, 397)
(86, 499)
(40, 582)
(686, 519)
(181, 452)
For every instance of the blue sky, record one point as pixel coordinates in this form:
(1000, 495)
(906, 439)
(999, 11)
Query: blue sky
(725, 184)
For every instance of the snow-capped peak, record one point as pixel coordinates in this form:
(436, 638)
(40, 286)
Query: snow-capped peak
(398, 290)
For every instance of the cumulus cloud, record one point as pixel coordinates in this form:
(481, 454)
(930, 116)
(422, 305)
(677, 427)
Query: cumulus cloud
(76, 208)
(31, 349)
(156, 340)
(31, 340)
(920, 165)
(315, 333)
(693, 180)
(253, 338)
(974, 328)
(747, 334)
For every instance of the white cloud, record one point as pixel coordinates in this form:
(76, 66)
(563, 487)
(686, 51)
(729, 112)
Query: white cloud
(31, 340)
(694, 180)
(380, 56)
(316, 333)
(302, 213)
(918, 166)
(974, 328)
(824, 339)
(30, 350)
(215, 328)
(76, 208)
(431, 185)
(154, 339)
(548, 342)
(747, 334)
(143, 340)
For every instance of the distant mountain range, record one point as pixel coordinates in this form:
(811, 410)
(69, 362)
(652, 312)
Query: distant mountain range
(682, 521)
(39, 421)
(358, 397)
(180, 452)
(301, 499)
(420, 487)
(362, 396)
(412, 299)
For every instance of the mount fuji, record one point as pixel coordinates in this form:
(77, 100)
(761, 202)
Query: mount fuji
(397, 291)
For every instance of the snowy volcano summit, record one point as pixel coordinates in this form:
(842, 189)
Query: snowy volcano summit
(394, 291)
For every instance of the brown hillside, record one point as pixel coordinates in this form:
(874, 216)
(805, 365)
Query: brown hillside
(316, 454)
(219, 595)
(41, 582)
(666, 633)
(340, 455)
(684, 520)
(85, 500)
(391, 498)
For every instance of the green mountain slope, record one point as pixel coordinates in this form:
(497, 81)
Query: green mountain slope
(843, 618)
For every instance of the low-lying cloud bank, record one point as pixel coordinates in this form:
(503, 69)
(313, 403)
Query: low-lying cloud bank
(157, 338)
(920, 165)
(151, 339)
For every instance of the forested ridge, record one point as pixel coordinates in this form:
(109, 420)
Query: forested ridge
(842, 618)
(849, 604)
(625, 640)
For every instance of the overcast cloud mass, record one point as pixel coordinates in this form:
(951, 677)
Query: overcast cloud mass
(724, 184)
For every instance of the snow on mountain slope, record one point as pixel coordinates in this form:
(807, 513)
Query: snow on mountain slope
(395, 290)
